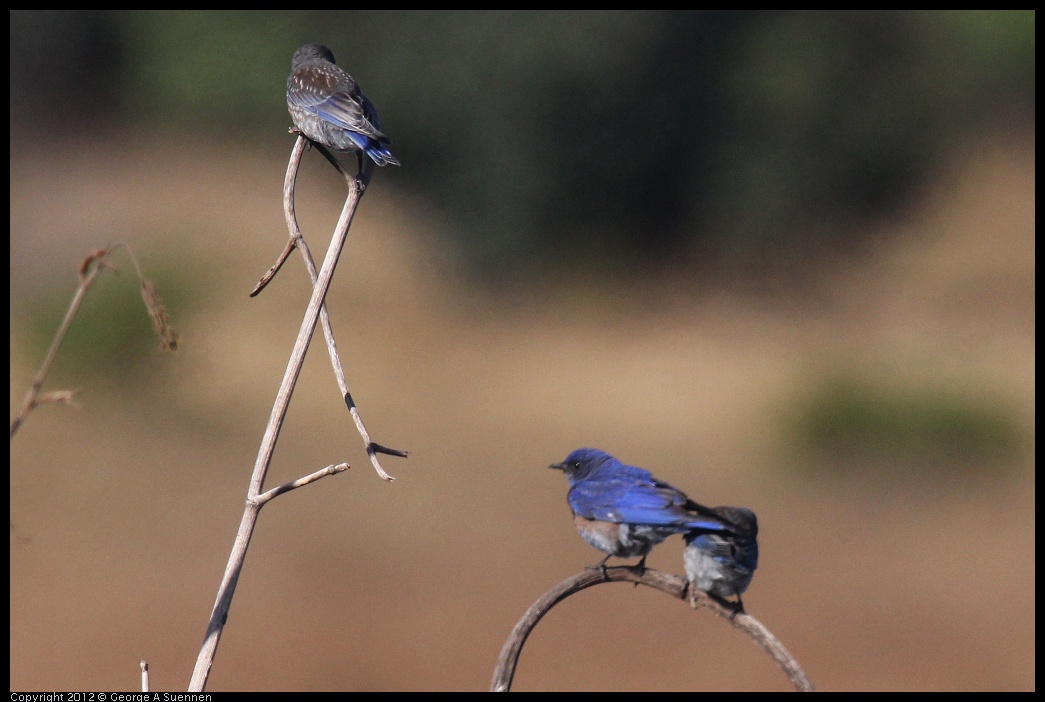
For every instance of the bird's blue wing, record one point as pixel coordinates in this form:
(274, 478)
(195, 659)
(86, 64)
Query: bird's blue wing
(322, 94)
(348, 114)
(718, 548)
(636, 502)
(738, 552)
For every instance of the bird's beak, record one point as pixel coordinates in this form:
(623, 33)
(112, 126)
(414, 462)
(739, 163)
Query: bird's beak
(558, 466)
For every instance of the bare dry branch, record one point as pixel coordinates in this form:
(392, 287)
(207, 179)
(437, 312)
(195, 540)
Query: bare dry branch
(255, 498)
(297, 240)
(300, 482)
(271, 272)
(90, 268)
(672, 585)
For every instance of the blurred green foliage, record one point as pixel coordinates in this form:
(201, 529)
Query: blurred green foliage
(854, 425)
(566, 142)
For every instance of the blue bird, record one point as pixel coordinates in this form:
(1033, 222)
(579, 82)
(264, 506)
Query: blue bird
(624, 511)
(329, 108)
(722, 565)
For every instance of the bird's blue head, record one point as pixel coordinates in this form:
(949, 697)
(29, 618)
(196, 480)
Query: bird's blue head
(581, 462)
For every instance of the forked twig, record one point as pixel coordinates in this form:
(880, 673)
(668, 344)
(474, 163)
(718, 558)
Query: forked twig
(669, 584)
(297, 241)
(255, 498)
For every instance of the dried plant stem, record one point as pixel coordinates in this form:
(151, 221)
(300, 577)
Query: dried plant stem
(297, 240)
(90, 269)
(255, 500)
(669, 584)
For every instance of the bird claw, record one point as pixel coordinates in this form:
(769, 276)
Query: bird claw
(600, 566)
(734, 608)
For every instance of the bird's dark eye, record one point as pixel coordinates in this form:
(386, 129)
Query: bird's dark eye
(577, 464)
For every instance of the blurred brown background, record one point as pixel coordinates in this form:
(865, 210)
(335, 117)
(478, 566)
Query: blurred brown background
(874, 407)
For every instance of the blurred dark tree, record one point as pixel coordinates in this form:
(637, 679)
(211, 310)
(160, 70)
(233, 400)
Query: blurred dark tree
(66, 71)
(572, 142)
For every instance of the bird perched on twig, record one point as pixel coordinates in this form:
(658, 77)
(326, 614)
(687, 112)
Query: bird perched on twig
(329, 108)
(624, 511)
(722, 565)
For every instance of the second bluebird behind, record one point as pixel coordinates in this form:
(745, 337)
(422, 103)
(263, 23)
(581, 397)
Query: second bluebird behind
(329, 108)
(624, 511)
(722, 565)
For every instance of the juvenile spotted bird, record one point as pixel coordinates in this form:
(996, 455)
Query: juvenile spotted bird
(329, 108)
(624, 511)
(723, 564)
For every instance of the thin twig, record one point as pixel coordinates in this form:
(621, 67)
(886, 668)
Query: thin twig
(226, 590)
(669, 584)
(300, 482)
(145, 675)
(271, 272)
(90, 269)
(297, 240)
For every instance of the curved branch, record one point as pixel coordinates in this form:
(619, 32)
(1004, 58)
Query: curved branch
(672, 585)
(297, 241)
